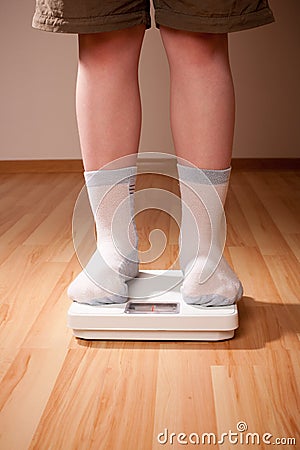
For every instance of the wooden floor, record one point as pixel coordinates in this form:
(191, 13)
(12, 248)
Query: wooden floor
(61, 393)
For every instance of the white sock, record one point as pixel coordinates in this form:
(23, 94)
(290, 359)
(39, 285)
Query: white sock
(103, 280)
(208, 279)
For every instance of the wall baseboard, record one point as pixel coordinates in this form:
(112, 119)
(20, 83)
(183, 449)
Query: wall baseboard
(160, 163)
(41, 166)
(266, 163)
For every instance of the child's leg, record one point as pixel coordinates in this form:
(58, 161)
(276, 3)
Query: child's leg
(202, 96)
(107, 96)
(202, 121)
(109, 121)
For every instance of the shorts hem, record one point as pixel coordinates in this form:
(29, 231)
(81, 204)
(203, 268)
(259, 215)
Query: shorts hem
(90, 24)
(227, 24)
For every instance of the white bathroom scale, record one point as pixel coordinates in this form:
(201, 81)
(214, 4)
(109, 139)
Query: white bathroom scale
(155, 311)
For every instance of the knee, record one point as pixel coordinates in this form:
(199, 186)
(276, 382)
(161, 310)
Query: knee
(111, 46)
(188, 47)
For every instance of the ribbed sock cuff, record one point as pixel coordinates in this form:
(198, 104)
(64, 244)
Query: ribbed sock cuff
(203, 176)
(109, 177)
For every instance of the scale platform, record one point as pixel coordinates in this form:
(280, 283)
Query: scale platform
(155, 311)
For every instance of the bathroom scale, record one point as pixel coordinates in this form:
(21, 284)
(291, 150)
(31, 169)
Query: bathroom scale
(154, 311)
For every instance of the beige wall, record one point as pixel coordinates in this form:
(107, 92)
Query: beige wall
(37, 87)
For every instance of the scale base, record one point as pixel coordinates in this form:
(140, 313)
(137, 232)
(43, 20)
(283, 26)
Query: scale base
(191, 323)
(153, 335)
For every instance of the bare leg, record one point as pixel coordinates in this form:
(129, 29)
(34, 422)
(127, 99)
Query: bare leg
(109, 122)
(202, 97)
(202, 121)
(108, 102)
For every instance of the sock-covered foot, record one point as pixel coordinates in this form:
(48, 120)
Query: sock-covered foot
(208, 278)
(115, 261)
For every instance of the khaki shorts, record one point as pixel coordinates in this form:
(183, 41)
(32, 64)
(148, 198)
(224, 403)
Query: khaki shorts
(207, 16)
